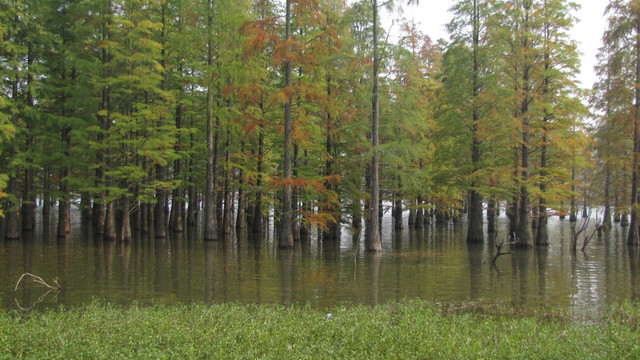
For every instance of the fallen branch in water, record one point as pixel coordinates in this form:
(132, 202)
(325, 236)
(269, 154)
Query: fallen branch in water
(39, 280)
(499, 250)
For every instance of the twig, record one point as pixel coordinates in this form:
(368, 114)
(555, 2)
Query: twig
(39, 280)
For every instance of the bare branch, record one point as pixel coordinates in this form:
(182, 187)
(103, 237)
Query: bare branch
(39, 280)
(499, 249)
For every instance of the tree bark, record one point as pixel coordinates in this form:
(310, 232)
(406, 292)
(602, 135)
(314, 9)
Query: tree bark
(109, 222)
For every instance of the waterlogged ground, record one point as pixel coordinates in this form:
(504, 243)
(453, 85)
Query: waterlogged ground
(434, 263)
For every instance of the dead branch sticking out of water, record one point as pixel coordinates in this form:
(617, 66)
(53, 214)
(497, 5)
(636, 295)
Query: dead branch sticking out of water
(39, 280)
(598, 229)
(499, 249)
(577, 229)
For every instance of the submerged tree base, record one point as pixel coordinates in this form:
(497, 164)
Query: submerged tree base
(405, 329)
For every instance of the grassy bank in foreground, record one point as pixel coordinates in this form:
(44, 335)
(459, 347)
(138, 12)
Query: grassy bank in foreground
(403, 330)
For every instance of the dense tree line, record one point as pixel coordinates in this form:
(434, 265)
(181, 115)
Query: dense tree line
(154, 115)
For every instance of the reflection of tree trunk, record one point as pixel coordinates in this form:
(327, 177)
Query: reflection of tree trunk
(176, 266)
(126, 260)
(109, 250)
(474, 251)
(633, 271)
(63, 257)
(542, 254)
(373, 259)
(255, 249)
(287, 276)
(209, 270)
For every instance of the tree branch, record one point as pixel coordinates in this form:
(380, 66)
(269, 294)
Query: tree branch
(499, 250)
(39, 280)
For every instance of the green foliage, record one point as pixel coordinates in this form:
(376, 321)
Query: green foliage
(411, 329)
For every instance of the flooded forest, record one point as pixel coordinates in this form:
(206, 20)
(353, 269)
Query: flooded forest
(299, 151)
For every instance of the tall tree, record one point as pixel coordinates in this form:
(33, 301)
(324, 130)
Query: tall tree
(373, 241)
(286, 222)
(623, 36)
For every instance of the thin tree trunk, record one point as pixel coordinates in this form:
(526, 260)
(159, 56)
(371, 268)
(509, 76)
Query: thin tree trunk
(492, 216)
(12, 227)
(210, 223)
(28, 195)
(286, 234)
(125, 229)
(109, 222)
(524, 218)
(257, 214)
(242, 201)
(475, 232)
(373, 241)
(633, 237)
(542, 236)
(226, 222)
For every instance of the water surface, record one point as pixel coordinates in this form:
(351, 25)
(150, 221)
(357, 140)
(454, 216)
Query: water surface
(434, 263)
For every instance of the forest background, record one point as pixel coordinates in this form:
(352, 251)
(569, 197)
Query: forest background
(145, 114)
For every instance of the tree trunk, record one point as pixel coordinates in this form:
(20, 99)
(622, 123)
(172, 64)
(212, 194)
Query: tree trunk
(606, 217)
(492, 216)
(64, 206)
(524, 218)
(177, 204)
(226, 219)
(12, 227)
(257, 209)
(373, 241)
(160, 206)
(210, 223)
(28, 195)
(572, 210)
(397, 212)
(109, 222)
(419, 214)
(475, 232)
(125, 229)
(542, 236)
(286, 234)
(633, 237)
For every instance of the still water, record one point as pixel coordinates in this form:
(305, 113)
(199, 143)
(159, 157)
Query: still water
(434, 263)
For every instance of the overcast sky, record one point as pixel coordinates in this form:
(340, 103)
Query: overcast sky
(433, 16)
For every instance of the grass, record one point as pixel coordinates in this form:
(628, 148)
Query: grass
(409, 329)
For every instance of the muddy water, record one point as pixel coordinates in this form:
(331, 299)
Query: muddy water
(434, 263)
